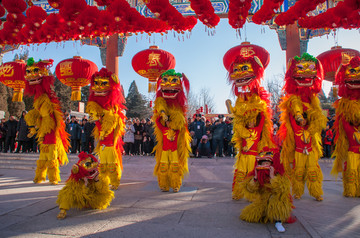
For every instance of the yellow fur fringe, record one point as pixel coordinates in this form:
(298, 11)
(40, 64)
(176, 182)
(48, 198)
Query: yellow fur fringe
(75, 194)
(272, 201)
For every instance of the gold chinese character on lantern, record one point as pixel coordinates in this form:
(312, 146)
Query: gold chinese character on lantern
(65, 69)
(6, 71)
(247, 51)
(154, 60)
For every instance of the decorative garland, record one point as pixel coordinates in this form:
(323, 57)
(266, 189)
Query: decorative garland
(345, 14)
(299, 10)
(163, 10)
(238, 12)
(267, 11)
(205, 11)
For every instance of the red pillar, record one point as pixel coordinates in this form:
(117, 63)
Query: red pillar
(292, 42)
(112, 58)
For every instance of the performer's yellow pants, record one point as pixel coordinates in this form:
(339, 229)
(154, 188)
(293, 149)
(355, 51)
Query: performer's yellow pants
(169, 174)
(351, 178)
(306, 168)
(47, 164)
(109, 166)
(243, 165)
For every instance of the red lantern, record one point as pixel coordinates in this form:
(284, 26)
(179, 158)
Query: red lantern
(12, 74)
(245, 49)
(151, 63)
(76, 73)
(331, 60)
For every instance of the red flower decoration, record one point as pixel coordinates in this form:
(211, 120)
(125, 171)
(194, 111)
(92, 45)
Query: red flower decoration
(238, 12)
(205, 11)
(299, 10)
(267, 11)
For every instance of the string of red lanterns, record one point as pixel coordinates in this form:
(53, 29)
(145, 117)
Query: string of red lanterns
(267, 11)
(205, 11)
(163, 10)
(238, 12)
(77, 20)
(299, 10)
(345, 14)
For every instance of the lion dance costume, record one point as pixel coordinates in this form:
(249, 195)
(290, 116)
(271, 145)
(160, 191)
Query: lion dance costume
(171, 130)
(105, 107)
(268, 188)
(301, 124)
(84, 189)
(347, 122)
(252, 114)
(46, 120)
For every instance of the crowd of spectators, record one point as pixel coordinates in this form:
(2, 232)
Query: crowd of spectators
(139, 138)
(14, 136)
(210, 137)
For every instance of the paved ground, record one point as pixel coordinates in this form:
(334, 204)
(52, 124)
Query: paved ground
(202, 208)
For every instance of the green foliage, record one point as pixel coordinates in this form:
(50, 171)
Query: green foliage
(63, 93)
(136, 105)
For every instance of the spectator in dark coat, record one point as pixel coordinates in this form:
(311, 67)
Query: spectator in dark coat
(89, 138)
(229, 149)
(74, 130)
(2, 134)
(138, 136)
(219, 134)
(10, 128)
(150, 140)
(198, 126)
(22, 132)
(204, 147)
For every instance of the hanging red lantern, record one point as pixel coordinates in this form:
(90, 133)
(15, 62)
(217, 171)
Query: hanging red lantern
(245, 49)
(76, 73)
(151, 63)
(331, 60)
(12, 74)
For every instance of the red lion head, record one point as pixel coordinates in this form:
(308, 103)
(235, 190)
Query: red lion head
(172, 86)
(264, 160)
(38, 77)
(105, 89)
(85, 168)
(304, 75)
(348, 78)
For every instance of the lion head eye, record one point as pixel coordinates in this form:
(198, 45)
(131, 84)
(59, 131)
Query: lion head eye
(245, 68)
(299, 66)
(352, 71)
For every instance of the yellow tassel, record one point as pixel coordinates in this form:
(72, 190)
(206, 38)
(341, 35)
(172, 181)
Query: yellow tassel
(17, 97)
(76, 95)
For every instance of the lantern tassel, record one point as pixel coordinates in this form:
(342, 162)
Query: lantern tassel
(17, 97)
(76, 95)
(152, 87)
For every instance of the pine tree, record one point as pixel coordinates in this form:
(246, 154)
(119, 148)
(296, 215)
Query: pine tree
(136, 104)
(3, 99)
(63, 93)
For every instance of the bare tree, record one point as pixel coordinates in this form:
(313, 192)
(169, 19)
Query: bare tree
(274, 86)
(199, 99)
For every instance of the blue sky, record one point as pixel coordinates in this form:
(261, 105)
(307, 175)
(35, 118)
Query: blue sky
(199, 55)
